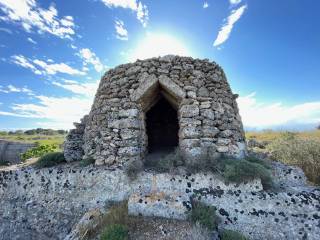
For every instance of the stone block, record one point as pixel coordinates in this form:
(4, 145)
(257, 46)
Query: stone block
(159, 204)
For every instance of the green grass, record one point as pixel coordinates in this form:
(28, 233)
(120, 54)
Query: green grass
(56, 139)
(269, 135)
(39, 151)
(239, 171)
(204, 215)
(115, 232)
(50, 160)
(231, 235)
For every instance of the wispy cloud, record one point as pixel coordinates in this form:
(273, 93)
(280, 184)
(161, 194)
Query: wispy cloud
(137, 6)
(59, 112)
(261, 115)
(90, 57)
(6, 30)
(235, 2)
(205, 5)
(41, 67)
(13, 89)
(122, 33)
(226, 29)
(29, 15)
(31, 40)
(86, 89)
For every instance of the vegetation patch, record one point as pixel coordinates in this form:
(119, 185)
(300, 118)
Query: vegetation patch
(86, 162)
(204, 215)
(231, 235)
(293, 150)
(245, 170)
(115, 232)
(4, 163)
(50, 159)
(39, 151)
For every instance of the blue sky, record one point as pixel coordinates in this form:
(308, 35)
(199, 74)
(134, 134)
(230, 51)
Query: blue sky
(53, 53)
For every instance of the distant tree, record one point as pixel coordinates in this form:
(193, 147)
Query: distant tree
(18, 132)
(30, 132)
(3, 133)
(318, 127)
(62, 131)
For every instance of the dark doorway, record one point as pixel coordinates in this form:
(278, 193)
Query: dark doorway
(162, 127)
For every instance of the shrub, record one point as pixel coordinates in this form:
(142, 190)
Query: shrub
(133, 168)
(87, 161)
(115, 232)
(50, 159)
(204, 215)
(4, 163)
(242, 170)
(39, 151)
(231, 235)
(304, 153)
(167, 162)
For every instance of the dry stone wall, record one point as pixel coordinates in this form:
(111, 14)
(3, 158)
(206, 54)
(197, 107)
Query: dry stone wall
(115, 130)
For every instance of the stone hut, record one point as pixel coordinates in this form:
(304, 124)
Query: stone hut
(159, 104)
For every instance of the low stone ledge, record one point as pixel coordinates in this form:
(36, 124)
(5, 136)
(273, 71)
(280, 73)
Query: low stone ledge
(160, 204)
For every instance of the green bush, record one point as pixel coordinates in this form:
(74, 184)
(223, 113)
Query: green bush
(87, 161)
(39, 151)
(4, 163)
(115, 232)
(50, 159)
(231, 235)
(242, 170)
(304, 153)
(204, 215)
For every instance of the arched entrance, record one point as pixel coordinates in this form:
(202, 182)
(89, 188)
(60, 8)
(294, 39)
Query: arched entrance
(162, 127)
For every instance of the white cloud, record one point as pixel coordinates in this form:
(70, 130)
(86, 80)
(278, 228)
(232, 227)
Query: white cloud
(24, 62)
(205, 5)
(40, 67)
(235, 2)
(29, 15)
(58, 112)
(122, 33)
(6, 30)
(87, 89)
(90, 57)
(260, 115)
(12, 89)
(226, 29)
(31, 40)
(136, 6)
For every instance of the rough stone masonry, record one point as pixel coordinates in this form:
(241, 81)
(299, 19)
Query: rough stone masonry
(116, 130)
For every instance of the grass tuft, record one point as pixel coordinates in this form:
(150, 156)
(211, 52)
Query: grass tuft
(204, 215)
(115, 232)
(231, 235)
(50, 159)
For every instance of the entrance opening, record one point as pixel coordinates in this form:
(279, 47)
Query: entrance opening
(162, 127)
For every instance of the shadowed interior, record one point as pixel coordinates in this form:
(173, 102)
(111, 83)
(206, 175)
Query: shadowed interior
(162, 127)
